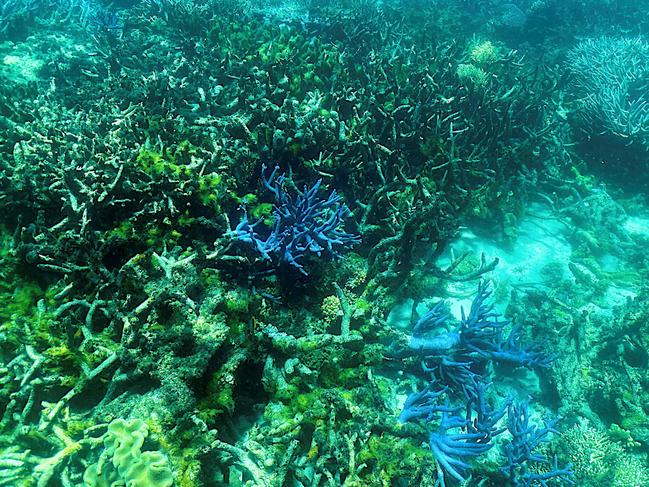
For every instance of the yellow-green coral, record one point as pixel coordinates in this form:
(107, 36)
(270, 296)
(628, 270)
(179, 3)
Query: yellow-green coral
(590, 452)
(330, 308)
(630, 471)
(472, 74)
(124, 463)
(483, 53)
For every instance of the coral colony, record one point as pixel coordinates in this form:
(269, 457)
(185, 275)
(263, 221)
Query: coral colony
(303, 224)
(458, 362)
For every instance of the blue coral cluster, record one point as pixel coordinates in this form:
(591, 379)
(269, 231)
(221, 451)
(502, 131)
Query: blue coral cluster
(106, 21)
(521, 450)
(455, 406)
(304, 224)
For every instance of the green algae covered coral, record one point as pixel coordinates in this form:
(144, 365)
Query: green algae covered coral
(124, 463)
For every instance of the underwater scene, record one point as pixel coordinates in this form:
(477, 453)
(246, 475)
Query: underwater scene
(318, 243)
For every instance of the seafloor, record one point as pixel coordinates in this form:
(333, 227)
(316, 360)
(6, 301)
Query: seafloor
(324, 243)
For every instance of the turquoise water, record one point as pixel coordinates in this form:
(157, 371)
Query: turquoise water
(324, 243)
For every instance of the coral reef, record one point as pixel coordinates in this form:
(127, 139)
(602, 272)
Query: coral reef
(172, 312)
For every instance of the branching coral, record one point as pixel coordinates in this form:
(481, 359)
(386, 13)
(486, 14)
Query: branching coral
(458, 363)
(459, 356)
(611, 75)
(303, 225)
(522, 454)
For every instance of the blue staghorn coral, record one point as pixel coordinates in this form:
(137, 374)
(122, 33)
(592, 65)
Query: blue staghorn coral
(459, 356)
(523, 461)
(458, 363)
(458, 438)
(304, 224)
